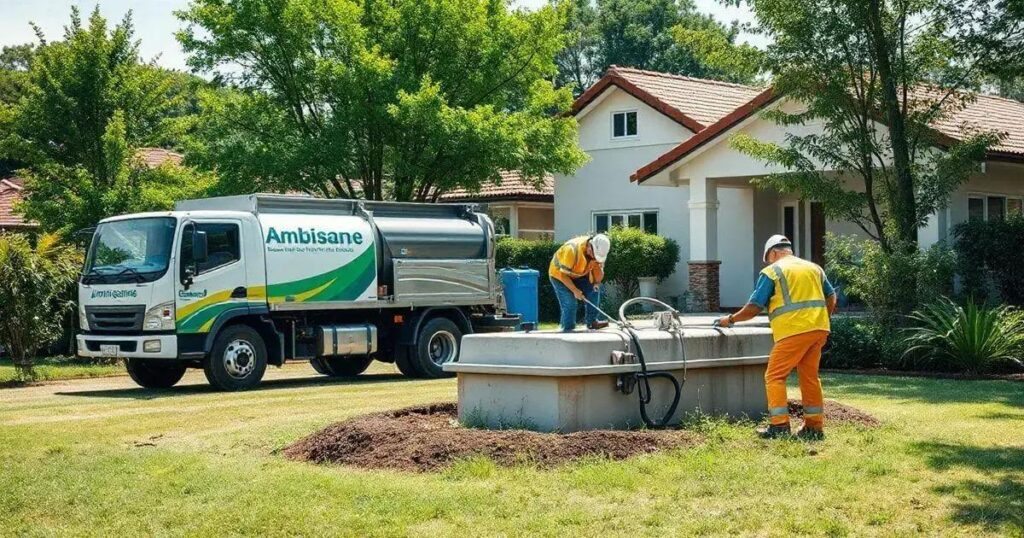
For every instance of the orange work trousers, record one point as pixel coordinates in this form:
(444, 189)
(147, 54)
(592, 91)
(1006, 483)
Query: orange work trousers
(803, 352)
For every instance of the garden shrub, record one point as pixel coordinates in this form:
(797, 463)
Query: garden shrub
(968, 338)
(890, 284)
(990, 258)
(36, 293)
(636, 253)
(862, 343)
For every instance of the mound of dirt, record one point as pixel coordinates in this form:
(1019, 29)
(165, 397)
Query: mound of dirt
(837, 413)
(429, 438)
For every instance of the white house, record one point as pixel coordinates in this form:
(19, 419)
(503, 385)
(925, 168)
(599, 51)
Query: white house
(660, 159)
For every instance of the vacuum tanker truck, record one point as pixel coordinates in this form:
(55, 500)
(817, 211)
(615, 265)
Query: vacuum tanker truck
(234, 284)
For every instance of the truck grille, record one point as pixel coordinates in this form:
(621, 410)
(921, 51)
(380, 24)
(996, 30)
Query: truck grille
(115, 319)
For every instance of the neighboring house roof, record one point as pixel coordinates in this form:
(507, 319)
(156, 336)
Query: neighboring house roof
(12, 188)
(511, 188)
(154, 157)
(692, 102)
(10, 194)
(983, 113)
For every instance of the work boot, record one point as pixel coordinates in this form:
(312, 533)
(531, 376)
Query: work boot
(597, 325)
(810, 434)
(774, 431)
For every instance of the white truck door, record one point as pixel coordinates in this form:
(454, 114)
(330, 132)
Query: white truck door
(205, 289)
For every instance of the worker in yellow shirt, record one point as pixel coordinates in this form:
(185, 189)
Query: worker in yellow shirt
(799, 300)
(576, 272)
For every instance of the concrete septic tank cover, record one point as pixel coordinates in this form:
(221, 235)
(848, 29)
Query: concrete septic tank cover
(566, 382)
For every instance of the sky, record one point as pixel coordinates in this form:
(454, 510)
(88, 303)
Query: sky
(155, 23)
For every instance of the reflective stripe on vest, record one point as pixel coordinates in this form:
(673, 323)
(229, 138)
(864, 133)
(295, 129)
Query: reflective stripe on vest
(575, 258)
(787, 302)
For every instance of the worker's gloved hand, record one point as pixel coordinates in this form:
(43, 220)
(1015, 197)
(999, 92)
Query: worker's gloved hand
(597, 287)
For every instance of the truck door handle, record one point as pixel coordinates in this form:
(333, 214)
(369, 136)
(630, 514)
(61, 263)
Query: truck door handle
(239, 293)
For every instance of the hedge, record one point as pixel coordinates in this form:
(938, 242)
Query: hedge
(990, 256)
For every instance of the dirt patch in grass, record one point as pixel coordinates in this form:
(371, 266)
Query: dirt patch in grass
(430, 437)
(836, 413)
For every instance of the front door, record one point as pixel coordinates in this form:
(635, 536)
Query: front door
(818, 233)
(207, 288)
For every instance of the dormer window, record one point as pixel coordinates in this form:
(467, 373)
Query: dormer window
(624, 124)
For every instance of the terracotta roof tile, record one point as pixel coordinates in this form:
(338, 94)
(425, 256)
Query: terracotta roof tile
(154, 157)
(511, 186)
(693, 102)
(11, 194)
(989, 113)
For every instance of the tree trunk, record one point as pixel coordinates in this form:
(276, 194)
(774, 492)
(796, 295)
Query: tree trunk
(904, 205)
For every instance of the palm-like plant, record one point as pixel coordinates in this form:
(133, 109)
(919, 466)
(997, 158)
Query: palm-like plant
(972, 338)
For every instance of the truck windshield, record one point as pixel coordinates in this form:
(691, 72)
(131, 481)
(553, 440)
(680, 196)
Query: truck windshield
(136, 250)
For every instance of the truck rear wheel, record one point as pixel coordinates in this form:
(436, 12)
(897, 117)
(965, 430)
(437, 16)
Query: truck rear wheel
(342, 366)
(437, 344)
(238, 359)
(155, 374)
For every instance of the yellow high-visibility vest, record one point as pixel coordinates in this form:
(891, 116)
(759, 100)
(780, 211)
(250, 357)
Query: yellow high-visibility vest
(798, 304)
(571, 260)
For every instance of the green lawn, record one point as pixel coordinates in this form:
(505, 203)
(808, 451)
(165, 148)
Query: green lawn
(96, 457)
(56, 368)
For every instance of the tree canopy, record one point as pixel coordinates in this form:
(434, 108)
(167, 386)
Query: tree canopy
(88, 104)
(661, 35)
(876, 75)
(402, 99)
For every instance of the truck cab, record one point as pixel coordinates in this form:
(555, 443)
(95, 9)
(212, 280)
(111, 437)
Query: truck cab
(234, 284)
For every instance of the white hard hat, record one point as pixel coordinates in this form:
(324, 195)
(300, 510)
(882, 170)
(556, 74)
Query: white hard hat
(601, 245)
(777, 240)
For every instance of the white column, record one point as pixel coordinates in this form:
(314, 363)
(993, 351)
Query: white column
(513, 221)
(703, 219)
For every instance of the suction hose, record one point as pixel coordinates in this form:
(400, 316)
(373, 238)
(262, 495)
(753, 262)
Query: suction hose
(644, 376)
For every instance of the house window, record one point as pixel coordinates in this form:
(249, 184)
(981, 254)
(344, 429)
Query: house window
(993, 207)
(645, 220)
(624, 124)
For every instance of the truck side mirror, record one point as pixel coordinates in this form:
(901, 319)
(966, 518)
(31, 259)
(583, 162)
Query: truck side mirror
(200, 248)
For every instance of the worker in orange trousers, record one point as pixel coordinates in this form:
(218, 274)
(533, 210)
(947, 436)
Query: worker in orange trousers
(799, 300)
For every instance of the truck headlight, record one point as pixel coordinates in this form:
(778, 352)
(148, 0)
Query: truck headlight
(160, 318)
(83, 322)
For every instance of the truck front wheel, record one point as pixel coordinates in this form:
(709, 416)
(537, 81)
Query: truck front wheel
(238, 359)
(437, 344)
(155, 374)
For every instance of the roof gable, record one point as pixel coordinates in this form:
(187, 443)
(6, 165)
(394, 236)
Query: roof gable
(982, 113)
(691, 102)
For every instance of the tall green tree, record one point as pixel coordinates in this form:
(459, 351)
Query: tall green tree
(401, 99)
(578, 61)
(875, 75)
(89, 104)
(662, 35)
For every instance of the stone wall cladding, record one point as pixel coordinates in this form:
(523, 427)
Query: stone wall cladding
(705, 293)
